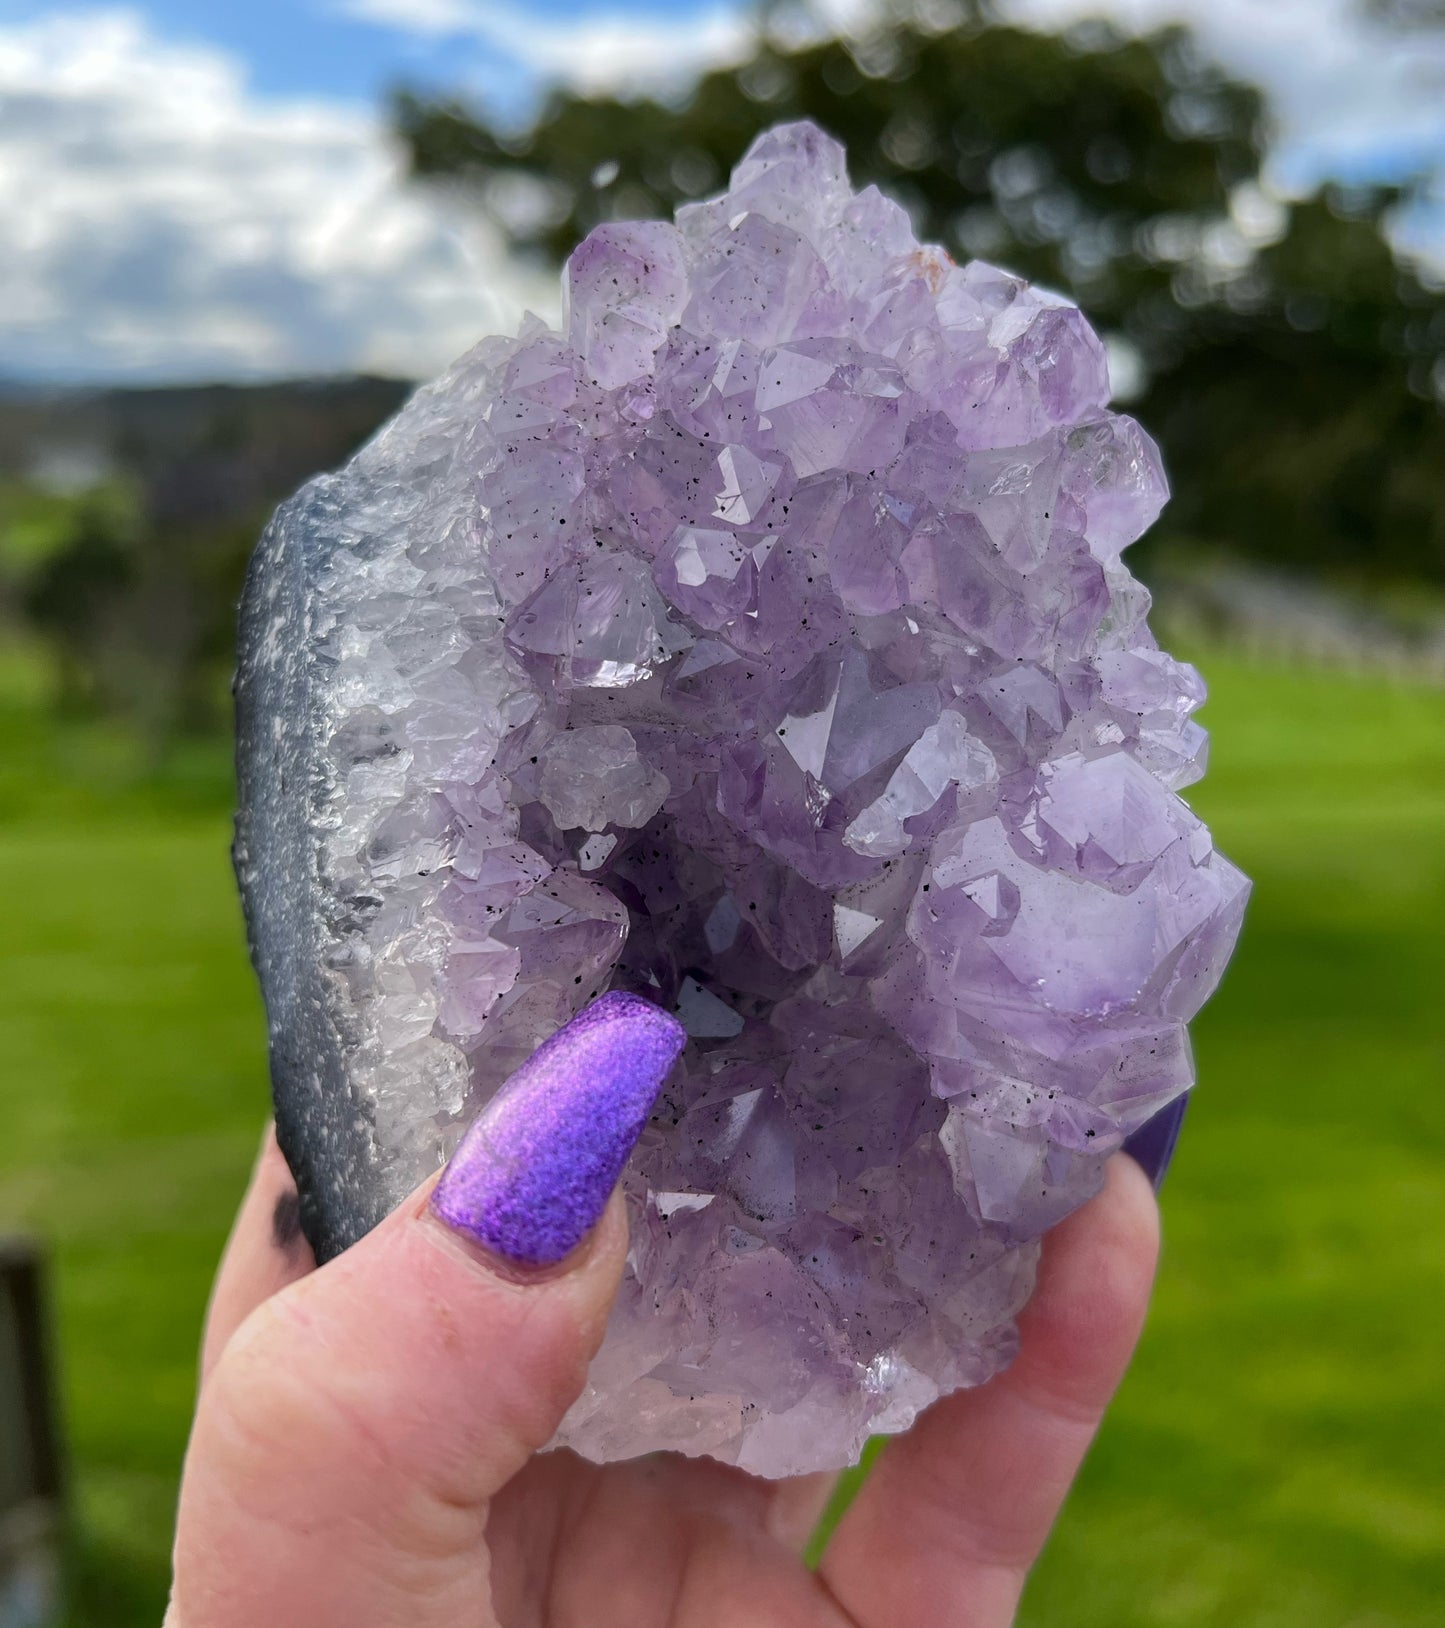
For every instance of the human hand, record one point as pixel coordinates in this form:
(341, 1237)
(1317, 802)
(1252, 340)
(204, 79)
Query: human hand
(366, 1445)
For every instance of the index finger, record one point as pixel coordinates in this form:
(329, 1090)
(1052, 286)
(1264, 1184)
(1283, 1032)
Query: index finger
(265, 1252)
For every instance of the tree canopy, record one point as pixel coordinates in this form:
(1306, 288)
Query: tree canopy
(1289, 360)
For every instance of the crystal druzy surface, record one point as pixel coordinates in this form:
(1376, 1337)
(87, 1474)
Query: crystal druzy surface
(760, 643)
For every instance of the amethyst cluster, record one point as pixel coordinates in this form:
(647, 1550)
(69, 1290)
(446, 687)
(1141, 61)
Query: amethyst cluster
(759, 644)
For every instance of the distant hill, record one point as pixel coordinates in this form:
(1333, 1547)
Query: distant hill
(127, 516)
(201, 454)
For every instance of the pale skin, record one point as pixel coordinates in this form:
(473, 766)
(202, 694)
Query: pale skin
(365, 1450)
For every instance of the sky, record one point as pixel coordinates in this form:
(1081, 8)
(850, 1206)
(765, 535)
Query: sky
(196, 189)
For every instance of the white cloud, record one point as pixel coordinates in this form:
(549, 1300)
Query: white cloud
(607, 51)
(159, 220)
(1349, 97)
(592, 52)
(428, 18)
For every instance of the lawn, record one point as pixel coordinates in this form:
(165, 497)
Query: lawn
(1277, 1459)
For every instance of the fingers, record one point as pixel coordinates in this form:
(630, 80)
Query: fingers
(954, 1514)
(351, 1433)
(265, 1252)
(795, 1507)
(357, 1423)
(659, 1539)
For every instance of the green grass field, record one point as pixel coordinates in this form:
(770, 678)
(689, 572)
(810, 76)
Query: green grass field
(1277, 1459)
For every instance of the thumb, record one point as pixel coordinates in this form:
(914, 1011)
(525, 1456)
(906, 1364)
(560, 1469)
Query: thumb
(356, 1424)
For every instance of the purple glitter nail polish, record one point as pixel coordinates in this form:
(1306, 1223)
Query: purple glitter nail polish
(533, 1174)
(1152, 1145)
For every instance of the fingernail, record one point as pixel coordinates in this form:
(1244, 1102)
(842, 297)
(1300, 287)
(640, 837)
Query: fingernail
(1152, 1145)
(533, 1174)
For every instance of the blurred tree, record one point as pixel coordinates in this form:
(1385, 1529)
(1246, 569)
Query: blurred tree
(1289, 361)
(80, 566)
(132, 582)
(1085, 160)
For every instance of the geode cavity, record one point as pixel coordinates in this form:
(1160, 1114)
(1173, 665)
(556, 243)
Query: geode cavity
(760, 643)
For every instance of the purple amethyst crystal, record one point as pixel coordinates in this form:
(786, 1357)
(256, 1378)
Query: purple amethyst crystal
(759, 644)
